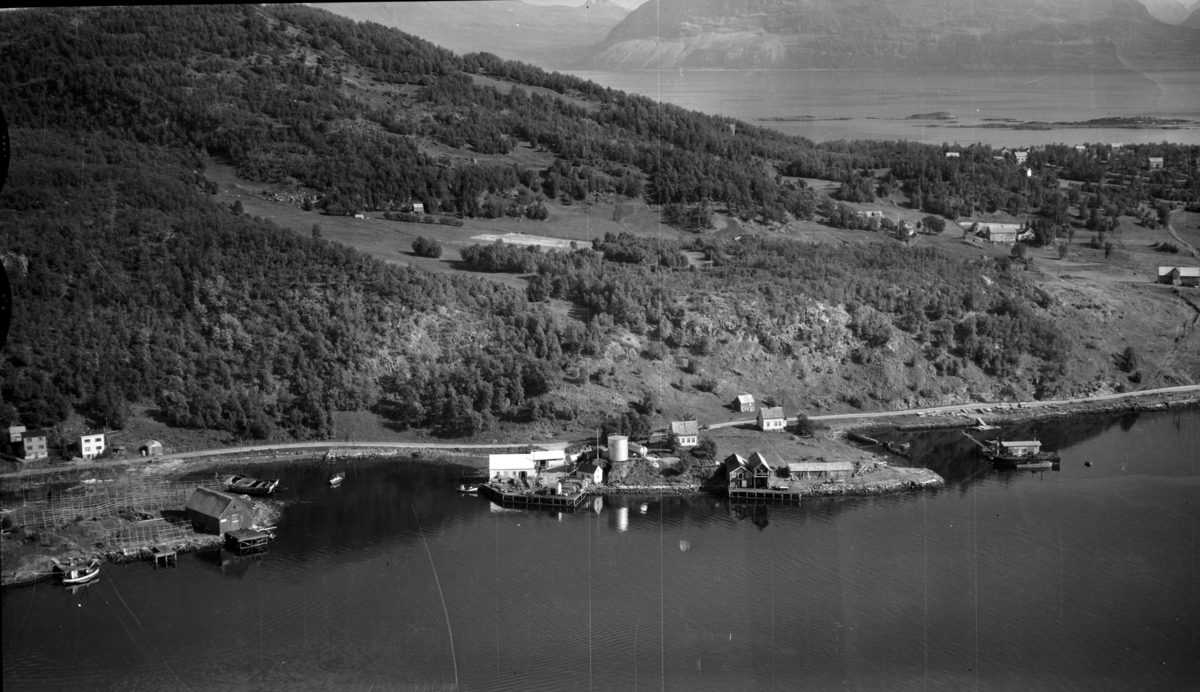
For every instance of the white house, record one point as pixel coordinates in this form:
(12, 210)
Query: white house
(510, 465)
(90, 446)
(1022, 156)
(418, 208)
(685, 433)
(1156, 163)
(590, 472)
(770, 418)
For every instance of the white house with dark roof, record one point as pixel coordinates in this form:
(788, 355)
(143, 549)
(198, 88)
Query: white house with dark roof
(771, 418)
(91, 446)
(685, 433)
(590, 472)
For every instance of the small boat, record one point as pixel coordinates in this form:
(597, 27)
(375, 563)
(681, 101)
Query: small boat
(1034, 465)
(251, 486)
(73, 574)
(336, 479)
(898, 449)
(1024, 453)
(468, 488)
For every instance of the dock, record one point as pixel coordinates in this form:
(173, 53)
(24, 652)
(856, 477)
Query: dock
(164, 556)
(571, 501)
(764, 495)
(246, 540)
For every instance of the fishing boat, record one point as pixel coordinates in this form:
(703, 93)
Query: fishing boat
(1020, 454)
(464, 488)
(78, 574)
(336, 479)
(251, 486)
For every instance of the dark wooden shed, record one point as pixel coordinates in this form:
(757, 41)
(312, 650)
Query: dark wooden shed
(211, 511)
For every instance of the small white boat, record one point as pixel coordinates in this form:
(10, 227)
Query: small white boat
(78, 574)
(336, 479)
(468, 488)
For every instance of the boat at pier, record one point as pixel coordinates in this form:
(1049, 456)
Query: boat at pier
(1024, 454)
(465, 488)
(251, 486)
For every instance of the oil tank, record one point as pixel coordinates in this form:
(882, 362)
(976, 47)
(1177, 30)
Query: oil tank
(618, 448)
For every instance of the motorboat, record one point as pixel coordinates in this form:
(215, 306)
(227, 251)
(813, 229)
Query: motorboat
(73, 574)
(336, 479)
(247, 485)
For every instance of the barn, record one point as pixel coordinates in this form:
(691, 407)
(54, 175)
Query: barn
(211, 511)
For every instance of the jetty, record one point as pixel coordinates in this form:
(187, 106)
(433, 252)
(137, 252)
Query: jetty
(776, 495)
(531, 499)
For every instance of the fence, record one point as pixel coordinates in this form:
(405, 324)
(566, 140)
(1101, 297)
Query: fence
(102, 499)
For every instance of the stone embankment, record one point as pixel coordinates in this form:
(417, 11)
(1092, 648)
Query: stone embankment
(916, 479)
(621, 489)
(1025, 415)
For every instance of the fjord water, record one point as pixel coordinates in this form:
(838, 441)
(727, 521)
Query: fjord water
(1081, 579)
(876, 104)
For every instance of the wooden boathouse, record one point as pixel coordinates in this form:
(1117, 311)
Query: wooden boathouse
(216, 512)
(564, 501)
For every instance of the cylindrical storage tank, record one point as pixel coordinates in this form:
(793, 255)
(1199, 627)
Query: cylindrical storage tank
(618, 448)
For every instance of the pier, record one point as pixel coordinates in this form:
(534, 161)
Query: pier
(571, 501)
(243, 541)
(764, 495)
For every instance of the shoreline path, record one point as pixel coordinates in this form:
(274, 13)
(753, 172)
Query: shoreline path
(956, 408)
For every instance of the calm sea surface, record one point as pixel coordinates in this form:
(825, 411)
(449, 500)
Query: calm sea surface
(875, 104)
(1080, 579)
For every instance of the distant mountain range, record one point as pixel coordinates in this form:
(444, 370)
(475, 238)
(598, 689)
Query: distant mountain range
(550, 37)
(1171, 11)
(893, 34)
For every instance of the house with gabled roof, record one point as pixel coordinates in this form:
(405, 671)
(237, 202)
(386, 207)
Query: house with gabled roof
(736, 471)
(1184, 276)
(743, 403)
(771, 418)
(760, 470)
(217, 512)
(685, 433)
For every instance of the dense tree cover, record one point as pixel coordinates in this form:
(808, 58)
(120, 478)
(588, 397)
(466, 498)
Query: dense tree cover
(137, 288)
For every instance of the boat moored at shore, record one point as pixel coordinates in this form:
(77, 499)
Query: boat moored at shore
(247, 485)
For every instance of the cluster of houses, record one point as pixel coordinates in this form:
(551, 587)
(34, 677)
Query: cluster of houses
(31, 445)
(758, 474)
(26, 444)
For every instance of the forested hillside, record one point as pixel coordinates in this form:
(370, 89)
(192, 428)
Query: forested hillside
(132, 285)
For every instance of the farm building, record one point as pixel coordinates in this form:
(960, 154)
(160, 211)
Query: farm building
(770, 418)
(1156, 163)
(212, 511)
(1183, 276)
(953, 155)
(821, 469)
(1000, 232)
(1022, 156)
(152, 448)
(743, 402)
(91, 446)
(685, 433)
(874, 214)
(510, 465)
(418, 208)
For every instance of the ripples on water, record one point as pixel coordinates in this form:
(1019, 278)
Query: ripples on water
(1078, 579)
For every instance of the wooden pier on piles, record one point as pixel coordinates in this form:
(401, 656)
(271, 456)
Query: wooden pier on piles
(246, 541)
(571, 501)
(790, 497)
